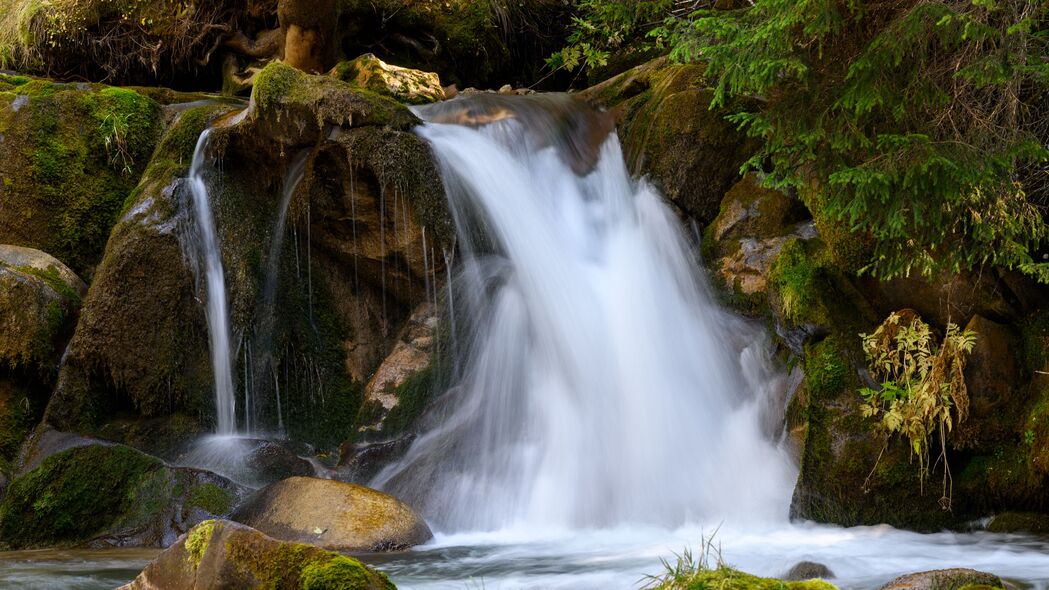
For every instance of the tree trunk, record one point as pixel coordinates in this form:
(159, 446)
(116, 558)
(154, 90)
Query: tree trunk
(309, 33)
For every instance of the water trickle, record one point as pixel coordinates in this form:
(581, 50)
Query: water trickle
(601, 385)
(217, 312)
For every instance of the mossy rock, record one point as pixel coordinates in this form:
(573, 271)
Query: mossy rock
(726, 578)
(670, 133)
(141, 343)
(39, 301)
(106, 495)
(74, 153)
(334, 515)
(403, 84)
(230, 555)
(852, 474)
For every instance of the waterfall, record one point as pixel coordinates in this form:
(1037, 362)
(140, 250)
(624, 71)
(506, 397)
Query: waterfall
(600, 384)
(217, 311)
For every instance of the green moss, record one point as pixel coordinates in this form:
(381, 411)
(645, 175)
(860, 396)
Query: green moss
(341, 573)
(211, 498)
(412, 396)
(75, 154)
(827, 371)
(73, 496)
(197, 541)
(725, 578)
(54, 280)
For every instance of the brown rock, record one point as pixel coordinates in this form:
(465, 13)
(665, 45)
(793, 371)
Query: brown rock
(334, 515)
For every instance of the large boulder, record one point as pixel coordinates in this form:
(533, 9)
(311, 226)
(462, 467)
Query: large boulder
(109, 495)
(72, 155)
(992, 379)
(39, 302)
(223, 554)
(670, 133)
(334, 515)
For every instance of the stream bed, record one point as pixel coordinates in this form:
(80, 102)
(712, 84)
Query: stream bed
(862, 558)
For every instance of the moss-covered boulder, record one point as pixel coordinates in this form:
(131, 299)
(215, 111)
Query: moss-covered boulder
(334, 515)
(946, 579)
(1019, 522)
(404, 84)
(73, 154)
(141, 343)
(669, 132)
(726, 578)
(223, 554)
(109, 495)
(39, 301)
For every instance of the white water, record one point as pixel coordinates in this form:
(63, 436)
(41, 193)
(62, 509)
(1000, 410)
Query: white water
(217, 311)
(608, 414)
(602, 385)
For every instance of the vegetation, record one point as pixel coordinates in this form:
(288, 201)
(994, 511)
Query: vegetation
(920, 385)
(691, 572)
(921, 124)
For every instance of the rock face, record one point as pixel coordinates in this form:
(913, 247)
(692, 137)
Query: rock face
(752, 227)
(363, 236)
(109, 495)
(690, 152)
(949, 579)
(223, 554)
(403, 382)
(404, 84)
(333, 515)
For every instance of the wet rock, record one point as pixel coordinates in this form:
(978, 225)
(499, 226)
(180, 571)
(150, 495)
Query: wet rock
(333, 515)
(946, 579)
(668, 131)
(109, 495)
(402, 384)
(808, 570)
(223, 554)
(360, 462)
(404, 84)
(249, 461)
(1020, 522)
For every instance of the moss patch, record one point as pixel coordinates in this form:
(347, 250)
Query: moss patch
(211, 498)
(73, 496)
(340, 573)
(74, 153)
(197, 541)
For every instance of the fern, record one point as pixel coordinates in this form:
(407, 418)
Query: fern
(922, 388)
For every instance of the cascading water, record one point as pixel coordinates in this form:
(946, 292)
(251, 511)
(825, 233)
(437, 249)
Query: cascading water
(601, 386)
(217, 312)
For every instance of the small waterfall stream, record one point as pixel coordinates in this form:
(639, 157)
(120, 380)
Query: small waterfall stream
(601, 384)
(217, 309)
